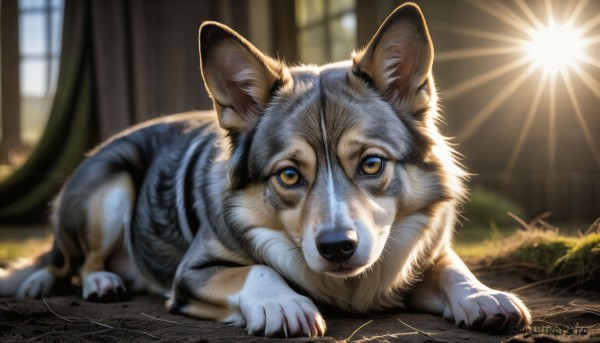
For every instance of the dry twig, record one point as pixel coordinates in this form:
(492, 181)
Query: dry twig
(419, 331)
(56, 314)
(533, 284)
(106, 326)
(12, 308)
(347, 340)
(167, 321)
(588, 309)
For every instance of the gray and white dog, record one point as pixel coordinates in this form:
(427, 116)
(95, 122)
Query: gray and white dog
(315, 185)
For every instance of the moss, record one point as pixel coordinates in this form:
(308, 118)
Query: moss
(543, 253)
(583, 259)
(575, 261)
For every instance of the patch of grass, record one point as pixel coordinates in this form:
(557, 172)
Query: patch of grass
(570, 261)
(538, 247)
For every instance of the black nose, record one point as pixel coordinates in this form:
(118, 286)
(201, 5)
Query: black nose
(337, 246)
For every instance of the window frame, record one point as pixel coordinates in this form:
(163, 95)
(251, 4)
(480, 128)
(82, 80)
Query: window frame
(325, 21)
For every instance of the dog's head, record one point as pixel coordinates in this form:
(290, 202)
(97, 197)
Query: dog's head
(332, 156)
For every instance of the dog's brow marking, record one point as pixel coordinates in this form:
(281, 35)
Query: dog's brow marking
(330, 187)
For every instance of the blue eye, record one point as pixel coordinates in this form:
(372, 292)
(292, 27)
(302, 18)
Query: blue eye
(289, 176)
(372, 165)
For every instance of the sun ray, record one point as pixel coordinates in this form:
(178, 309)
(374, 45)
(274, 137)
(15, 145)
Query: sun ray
(580, 118)
(549, 11)
(518, 20)
(529, 13)
(581, 4)
(481, 79)
(490, 9)
(552, 124)
(590, 81)
(589, 60)
(480, 34)
(476, 52)
(494, 104)
(512, 161)
(590, 24)
(591, 40)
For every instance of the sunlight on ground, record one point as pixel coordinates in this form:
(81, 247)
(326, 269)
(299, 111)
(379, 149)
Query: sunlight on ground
(23, 242)
(470, 251)
(476, 242)
(32, 247)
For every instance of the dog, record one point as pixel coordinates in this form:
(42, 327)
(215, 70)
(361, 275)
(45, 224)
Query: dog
(327, 185)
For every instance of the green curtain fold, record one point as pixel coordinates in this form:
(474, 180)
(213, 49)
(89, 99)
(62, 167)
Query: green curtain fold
(25, 195)
(122, 62)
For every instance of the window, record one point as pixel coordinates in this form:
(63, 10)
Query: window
(31, 47)
(40, 28)
(326, 30)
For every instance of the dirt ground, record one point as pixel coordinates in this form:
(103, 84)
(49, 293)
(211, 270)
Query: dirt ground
(144, 319)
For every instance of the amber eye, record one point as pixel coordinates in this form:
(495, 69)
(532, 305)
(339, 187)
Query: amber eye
(371, 165)
(289, 176)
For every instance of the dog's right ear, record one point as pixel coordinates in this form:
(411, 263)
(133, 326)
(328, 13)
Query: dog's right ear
(239, 78)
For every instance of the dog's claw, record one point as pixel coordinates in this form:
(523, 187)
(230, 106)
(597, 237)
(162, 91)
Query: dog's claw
(103, 287)
(490, 311)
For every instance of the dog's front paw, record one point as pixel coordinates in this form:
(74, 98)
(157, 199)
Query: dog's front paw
(489, 310)
(102, 287)
(37, 285)
(270, 307)
(287, 316)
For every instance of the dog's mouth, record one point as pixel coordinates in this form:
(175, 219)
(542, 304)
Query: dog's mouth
(345, 271)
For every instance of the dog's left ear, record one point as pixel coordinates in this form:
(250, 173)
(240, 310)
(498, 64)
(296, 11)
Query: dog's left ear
(239, 78)
(398, 58)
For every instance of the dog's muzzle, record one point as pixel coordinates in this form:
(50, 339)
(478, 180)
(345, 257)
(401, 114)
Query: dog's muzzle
(337, 246)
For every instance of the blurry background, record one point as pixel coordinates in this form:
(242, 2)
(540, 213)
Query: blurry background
(518, 81)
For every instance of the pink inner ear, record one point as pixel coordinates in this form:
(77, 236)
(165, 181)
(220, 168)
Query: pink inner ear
(404, 73)
(242, 101)
(238, 92)
(400, 63)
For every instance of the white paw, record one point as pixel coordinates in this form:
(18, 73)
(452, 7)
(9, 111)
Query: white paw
(289, 316)
(37, 285)
(102, 286)
(271, 308)
(488, 310)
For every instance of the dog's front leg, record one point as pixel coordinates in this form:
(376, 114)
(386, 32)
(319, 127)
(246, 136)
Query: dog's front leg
(451, 289)
(256, 297)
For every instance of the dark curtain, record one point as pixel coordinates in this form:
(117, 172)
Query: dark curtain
(122, 62)
(146, 59)
(24, 195)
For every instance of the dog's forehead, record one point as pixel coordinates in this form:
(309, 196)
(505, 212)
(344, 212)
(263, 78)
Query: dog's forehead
(331, 96)
(351, 105)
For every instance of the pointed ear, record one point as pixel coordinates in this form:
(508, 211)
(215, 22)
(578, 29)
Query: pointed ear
(398, 58)
(239, 78)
